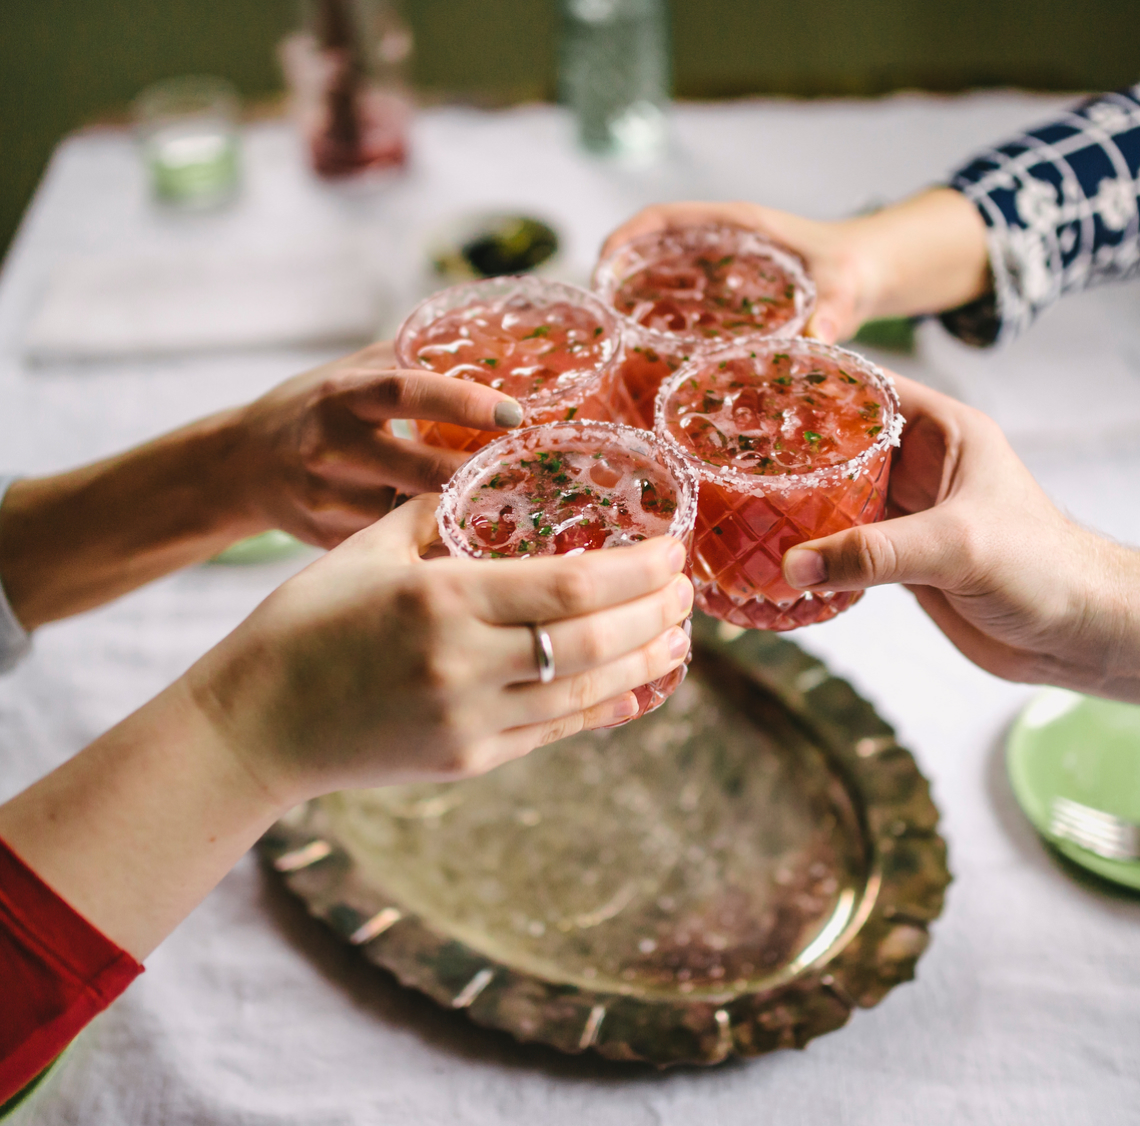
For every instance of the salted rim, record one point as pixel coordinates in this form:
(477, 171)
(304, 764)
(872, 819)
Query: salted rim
(685, 479)
(783, 482)
(542, 291)
(612, 271)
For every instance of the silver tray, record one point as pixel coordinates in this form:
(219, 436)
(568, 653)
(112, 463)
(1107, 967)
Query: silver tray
(732, 874)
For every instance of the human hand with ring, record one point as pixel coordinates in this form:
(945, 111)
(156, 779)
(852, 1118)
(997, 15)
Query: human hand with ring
(372, 666)
(376, 666)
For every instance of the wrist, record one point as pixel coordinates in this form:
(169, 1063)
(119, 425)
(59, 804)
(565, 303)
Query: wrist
(1109, 619)
(10, 554)
(228, 471)
(223, 751)
(866, 261)
(924, 255)
(233, 691)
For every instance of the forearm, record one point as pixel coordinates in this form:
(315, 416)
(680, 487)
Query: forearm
(923, 255)
(1106, 622)
(75, 540)
(136, 829)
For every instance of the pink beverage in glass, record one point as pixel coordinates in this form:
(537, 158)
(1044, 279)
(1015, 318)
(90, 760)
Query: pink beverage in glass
(791, 440)
(551, 346)
(564, 488)
(681, 292)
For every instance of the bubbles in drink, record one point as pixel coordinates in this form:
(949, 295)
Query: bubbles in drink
(514, 344)
(556, 501)
(696, 293)
(687, 291)
(776, 412)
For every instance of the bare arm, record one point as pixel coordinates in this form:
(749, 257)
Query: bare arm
(370, 667)
(77, 539)
(312, 457)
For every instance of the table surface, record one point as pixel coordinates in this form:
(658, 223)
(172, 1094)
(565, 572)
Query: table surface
(1027, 1005)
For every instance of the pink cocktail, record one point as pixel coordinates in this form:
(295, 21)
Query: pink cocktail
(551, 346)
(683, 292)
(791, 441)
(566, 488)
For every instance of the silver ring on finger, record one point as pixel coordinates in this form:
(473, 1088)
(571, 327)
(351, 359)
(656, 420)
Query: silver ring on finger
(543, 653)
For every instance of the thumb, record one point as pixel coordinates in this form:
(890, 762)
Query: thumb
(836, 314)
(910, 549)
(432, 397)
(823, 325)
(405, 533)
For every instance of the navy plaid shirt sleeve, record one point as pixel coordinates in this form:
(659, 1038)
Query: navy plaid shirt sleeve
(1061, 212)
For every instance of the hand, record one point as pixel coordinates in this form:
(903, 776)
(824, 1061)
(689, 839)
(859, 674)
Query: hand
(312, 456)
(1020, 589)
(370, 667)
(315, 455)
(374, 666)
(923, 255)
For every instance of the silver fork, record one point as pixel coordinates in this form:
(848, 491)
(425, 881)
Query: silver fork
(1103, 833)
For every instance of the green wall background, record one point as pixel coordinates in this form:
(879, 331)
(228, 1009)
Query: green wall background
(67, 62)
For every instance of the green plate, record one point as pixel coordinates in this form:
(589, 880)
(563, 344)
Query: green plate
(1083, 748)
(268, 547)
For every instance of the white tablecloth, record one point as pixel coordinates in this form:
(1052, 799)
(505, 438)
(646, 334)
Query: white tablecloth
(1027, 1005)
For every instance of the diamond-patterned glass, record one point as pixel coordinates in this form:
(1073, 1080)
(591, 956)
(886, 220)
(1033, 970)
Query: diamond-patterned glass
(741, 538)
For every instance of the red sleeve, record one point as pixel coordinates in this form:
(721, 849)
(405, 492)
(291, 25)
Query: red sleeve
(56, 973)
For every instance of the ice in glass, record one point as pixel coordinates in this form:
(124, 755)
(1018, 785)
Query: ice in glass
(791, 440)
(565, 488)
(685, 291)
(551, 346)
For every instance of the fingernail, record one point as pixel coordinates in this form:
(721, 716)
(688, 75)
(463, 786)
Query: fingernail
(804, 567)
(677, 556)
(508, 414)
(823, 328)
(624, 707)
(683, 593)
(678, 644)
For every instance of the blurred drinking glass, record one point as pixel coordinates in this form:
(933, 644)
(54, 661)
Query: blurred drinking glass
(347, 70)
(188, 131)
(614, 74)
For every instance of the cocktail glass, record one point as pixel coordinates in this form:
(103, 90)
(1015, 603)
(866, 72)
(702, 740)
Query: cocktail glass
(570, 487)
(553, 347)
(791, 440)
(681, 292)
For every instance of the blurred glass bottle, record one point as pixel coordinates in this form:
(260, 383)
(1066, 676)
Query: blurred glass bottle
(347, 70)
(614, 74)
